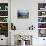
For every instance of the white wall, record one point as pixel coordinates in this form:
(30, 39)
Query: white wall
(23, 24)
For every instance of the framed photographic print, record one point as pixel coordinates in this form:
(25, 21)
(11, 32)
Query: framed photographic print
(23, 14)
